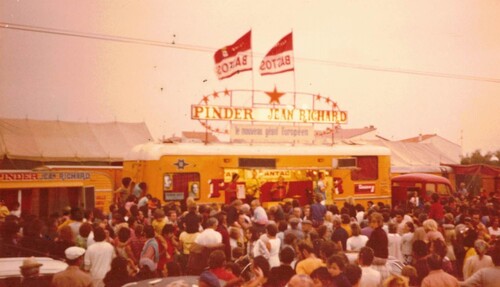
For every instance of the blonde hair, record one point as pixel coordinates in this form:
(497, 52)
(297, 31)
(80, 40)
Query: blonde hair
(430, 225)
(396, 281)
(378, 218)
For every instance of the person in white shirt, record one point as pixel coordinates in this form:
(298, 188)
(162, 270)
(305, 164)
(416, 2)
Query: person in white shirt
(357, 240)
(259, 214)
(394, 242)
(209, 237)
(406, 242)
(369, 276)
(98, 257)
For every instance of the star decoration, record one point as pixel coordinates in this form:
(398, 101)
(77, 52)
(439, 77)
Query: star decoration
(205, 99)
(226, 92)
(215, 95)
(181, 164)
(275, 96)
(327, 100)
(318, 97)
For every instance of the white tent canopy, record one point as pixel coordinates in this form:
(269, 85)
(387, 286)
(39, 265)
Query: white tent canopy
(414, 157)
(39, 140)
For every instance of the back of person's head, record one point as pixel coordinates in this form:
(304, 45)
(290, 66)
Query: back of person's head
(216, 259)
(211, 222)
(124, 234)
(272, 229)
(439, 247)
(366, 255)
(393, 227)
(434, 261)
(396, 281)
(329, 248)
(287, 255)
(356, 230)
(420, 248)
(76, 214)
(237, 252)
(353, 273)
(321, 276)
(290, 238)
(126, 181)
(149, 231)
(263, 264)
(304, 245)
(167, 229)
(99, 234)
(345, 218)
(337, 259)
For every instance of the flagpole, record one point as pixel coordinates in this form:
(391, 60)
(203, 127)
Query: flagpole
(294, 79)
(253, 78)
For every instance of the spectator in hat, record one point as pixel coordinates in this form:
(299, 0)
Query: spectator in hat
(73, 275)
(30, 270)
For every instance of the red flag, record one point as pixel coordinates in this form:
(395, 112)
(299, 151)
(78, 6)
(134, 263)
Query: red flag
(280, 58)
(234, 58)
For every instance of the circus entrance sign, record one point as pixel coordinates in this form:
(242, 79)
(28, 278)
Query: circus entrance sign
(268, 116)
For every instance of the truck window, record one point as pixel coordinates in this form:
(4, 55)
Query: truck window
(367, 168)
(430, 188)
(443, 190)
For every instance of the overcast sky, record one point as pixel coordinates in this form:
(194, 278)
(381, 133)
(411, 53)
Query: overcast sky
(406, 67)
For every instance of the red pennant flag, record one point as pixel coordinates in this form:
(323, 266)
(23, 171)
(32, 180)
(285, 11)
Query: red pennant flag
(280, 58)
(234, 58)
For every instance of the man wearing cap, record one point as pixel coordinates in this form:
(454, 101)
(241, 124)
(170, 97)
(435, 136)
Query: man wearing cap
(73, 275)
(30, 270)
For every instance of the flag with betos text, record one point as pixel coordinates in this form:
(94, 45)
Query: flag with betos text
(280, 58)
(234, 58)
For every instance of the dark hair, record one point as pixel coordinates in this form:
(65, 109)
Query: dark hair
(99, 234)
(272, 229)
(216, 259)
(168, 228)
(435, 261)
(329, 248)
(366, 254)
(322, 274)
(410, 225)
(126, 181)
(124, 234)
(337, 259)
(85, 229)
(353, 273)
(420, 248)
(149, 231)
(263, 264)
(287, 255)
(304, 245)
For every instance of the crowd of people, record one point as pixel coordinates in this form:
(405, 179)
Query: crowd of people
(453, 241)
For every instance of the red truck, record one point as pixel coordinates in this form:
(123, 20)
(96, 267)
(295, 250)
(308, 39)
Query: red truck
(404, 186)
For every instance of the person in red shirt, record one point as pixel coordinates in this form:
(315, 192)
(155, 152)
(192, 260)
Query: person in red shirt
(436, 211)
(216, 265)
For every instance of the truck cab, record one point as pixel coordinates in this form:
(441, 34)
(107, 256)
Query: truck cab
(404, 186)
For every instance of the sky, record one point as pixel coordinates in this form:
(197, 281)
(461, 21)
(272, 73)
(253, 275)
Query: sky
(405, 67)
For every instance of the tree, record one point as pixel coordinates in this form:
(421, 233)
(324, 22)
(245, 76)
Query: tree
(490, 158)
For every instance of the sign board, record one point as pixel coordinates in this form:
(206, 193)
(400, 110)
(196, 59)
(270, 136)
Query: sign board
(173, 196)
(44, 175)
(364, 188)
(265, 114)
(269, 134)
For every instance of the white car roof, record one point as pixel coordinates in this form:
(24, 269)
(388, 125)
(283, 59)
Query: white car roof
(9, 267)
